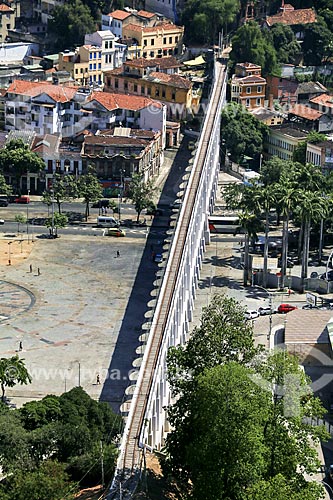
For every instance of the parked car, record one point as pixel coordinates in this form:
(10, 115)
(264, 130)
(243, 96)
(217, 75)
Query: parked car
(115, 231)
(158, 258)
(251, 314)
(285, 308)
(265, 310)
(329, 276)
(22, 199)
(2, 222)
(3, 202)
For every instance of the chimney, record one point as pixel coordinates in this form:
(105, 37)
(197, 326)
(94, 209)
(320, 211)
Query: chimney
(270, 102)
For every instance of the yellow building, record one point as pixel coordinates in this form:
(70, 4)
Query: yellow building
(161, 40)
(156, 82)
(7, 21)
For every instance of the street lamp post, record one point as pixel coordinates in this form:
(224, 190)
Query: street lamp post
(270, 298)
(9, 255)
(28, 216)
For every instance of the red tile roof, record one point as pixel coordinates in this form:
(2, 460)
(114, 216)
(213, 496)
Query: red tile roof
(119, 14)
(323, 100)
(144, 13)
(293, 17)
(123, 101)
(58, 93)
(249, 79)
(152, 29)
(161, 62)
(305, 112)
(172, 80)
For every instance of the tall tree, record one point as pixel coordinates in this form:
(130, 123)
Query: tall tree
(69, 23)
(250, 45)
(63, 188)
(17, 160)
(242, 132)
(13, 371)
(251, 225)
(141, 193)
(90, 189)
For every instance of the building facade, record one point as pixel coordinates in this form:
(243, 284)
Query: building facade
(321, 155)
(282, 141)
(161, 40)
(248, 88)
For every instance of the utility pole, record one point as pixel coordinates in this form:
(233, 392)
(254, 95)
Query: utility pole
(28, 216)
(52, 225)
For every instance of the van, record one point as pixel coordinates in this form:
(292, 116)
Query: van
(103, 221)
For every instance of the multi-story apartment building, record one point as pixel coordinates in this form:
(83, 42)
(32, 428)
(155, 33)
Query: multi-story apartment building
(87, 63)
(161, 40)
(136, 78)
(44, 108)
(320, 154)
(115, 21)
(247, 86)
(7, 21)
(282, 141)
(108, 110)
(48, 109)
(119, 153)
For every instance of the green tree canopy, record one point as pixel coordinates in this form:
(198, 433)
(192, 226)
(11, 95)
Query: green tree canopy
(283, 39)
(249, 44)
(242, 132)
(299, 154)
(16, 159)
(89, 188)
(204, 20)
(63, 188)
(141, 193)
(13, 371)
(69, 23)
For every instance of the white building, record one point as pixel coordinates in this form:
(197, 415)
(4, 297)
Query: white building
(107, 110)
(113, 54)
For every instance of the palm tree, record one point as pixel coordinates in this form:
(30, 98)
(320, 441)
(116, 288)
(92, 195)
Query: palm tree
(287, 196)
(251, 225)
(312, 207)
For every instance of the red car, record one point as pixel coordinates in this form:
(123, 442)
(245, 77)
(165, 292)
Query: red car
(285, 308)
(22, 199)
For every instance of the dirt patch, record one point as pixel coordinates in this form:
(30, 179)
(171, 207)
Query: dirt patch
(14, 249)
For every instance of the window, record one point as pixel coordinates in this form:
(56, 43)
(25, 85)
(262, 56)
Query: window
(106, 45)
(164, 40)
(151, 53)
(157, 92)
(173, 96)
(125, 85)
(106, 59)
(152, 41)
(258, 101)
(247, 103)
(116, 83)
(95, 55)
(163, 93)
(99, 65)
(81, 70)
(248, 90)
(135, 88)
(145, 43)
(170, 39)
(259, 89)
(149, 91)
(99, 55)
(176, 39)
(142, 90)
(90, 55)
(94, 65)
(76, 71)
(144, 54)
(90, 66)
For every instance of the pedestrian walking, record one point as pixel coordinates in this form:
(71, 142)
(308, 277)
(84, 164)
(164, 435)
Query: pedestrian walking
(102, 210)
(38, 271)
(30, 268)
(98, 380)
(118, 253)
(20, 346)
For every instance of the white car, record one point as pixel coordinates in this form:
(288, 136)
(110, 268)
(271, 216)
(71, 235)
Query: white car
(265, 310)
(251, 314)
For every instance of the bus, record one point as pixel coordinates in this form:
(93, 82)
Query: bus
(219, 224)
